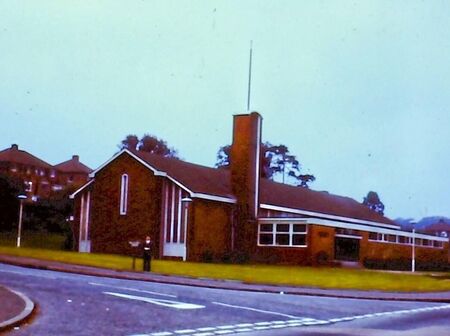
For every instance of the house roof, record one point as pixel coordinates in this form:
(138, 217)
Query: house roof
(213, 181)
(73, 166)
(16, 155)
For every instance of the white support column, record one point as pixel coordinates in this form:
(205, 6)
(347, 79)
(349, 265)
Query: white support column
(81, 223)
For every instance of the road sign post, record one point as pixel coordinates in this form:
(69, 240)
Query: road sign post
(135, 245)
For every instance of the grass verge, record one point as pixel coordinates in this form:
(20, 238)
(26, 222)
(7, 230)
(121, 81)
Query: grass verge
(33, 239)
(335, 278)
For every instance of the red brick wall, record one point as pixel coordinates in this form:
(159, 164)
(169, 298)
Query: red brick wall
(110, 231)
(321, 242)
(209, 230)
(383, 250)
(244, 162)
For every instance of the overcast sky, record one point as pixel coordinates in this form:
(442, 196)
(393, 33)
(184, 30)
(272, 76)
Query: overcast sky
(359, 91)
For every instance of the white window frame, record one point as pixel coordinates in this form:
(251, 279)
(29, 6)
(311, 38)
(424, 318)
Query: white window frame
(274, 234)
(124, 181)
(419, 242)
(28, 186)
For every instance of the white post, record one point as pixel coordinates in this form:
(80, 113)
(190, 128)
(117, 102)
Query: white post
(413, 259)
(19, 232)
(185, 201)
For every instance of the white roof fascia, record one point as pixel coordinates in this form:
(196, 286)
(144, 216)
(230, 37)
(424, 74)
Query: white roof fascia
(330, 223)
(213, 198)
(182, 186)
(137, 158)
(72, 196)
(312, 213)
(115, 156)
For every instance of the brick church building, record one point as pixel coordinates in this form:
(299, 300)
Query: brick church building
(200, 213)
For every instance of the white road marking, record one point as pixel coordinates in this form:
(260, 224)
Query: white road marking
(206, 329)
(255, 310)
(271, 325)
(226, 327)
(244, 325)
(185, 331)
(132, 289)
(243, 330)
(159, 302)
(262, 323)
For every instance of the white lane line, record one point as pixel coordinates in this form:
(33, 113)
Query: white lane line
(255, 310)
(240, 330)
(164, 333)
(297, 322)
(185, 331)
(159, 302)
(206, 329)
(131, 289)
(262, 323)
(244, 325)
(226, 327)
(416, 310)
(279, 326)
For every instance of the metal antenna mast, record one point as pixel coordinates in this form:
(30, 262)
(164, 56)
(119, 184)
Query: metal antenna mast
(249, 76)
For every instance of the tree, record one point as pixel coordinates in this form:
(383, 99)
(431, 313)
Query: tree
(276, 161)
(373, 202)
(305, 179)
(149, 144)
(10, 188)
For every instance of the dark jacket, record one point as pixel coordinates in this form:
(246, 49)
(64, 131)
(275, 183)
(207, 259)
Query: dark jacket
(147, 247)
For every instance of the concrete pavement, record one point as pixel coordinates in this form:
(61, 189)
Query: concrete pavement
(15, 308)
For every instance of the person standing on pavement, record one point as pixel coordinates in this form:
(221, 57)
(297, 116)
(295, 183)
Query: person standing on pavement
(147, 254)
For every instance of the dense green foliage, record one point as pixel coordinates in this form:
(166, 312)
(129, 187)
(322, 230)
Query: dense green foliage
(10, 188)
(149, 144)
(372, 200)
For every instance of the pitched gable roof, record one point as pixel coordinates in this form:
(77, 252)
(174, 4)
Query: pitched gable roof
(197, 178)
(16, 155)
(216, 182)
(288, 196)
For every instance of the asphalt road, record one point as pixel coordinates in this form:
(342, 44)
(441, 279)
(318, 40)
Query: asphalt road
(70, 304)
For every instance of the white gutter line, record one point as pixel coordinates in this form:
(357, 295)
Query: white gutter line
(319, 214)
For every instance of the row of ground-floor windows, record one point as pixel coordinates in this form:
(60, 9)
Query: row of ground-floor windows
(282, 234)
(291, 234)
(391, 238)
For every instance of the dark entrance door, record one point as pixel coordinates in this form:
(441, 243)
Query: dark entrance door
(346, 249)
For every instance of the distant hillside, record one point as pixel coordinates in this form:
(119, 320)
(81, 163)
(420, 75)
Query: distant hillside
(405, 223)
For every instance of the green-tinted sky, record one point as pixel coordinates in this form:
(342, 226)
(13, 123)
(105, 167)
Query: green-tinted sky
(358, 90)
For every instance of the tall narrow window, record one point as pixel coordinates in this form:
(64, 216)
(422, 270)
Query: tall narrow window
(123, 194)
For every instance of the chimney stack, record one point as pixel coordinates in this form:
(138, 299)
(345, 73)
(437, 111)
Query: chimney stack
(75, 158)
(245, 163)
(15, 147)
